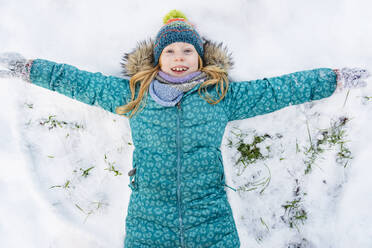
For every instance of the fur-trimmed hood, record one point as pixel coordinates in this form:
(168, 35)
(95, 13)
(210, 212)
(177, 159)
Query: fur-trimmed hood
(142, 57)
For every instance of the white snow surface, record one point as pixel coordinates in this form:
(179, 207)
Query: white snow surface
(48, 201)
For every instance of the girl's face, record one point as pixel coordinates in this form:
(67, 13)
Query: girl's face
(179, 59)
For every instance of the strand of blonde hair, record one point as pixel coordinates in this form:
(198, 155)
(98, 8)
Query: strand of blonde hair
(144, 79)
(217, 77)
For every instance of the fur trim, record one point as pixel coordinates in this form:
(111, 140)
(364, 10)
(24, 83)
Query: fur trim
(142, 57)
(218, 55)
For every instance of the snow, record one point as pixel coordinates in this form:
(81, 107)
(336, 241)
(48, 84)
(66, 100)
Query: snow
(48, 201)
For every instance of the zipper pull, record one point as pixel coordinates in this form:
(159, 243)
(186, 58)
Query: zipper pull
(132, 172)
(179, 105)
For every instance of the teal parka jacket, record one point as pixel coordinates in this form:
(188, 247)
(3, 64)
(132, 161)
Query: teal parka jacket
(178, 189)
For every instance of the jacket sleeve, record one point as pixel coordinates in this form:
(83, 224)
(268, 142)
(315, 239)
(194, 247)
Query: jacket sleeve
(257, 97)
(108, 92)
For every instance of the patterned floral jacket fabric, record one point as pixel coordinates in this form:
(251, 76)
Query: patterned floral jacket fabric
(178, 189)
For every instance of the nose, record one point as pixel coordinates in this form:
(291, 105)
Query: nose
(179, 57)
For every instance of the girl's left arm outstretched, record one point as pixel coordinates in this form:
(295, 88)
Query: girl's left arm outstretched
(257, 97)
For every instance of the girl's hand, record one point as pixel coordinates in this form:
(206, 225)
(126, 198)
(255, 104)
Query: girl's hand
(351, 77)
(16, 64)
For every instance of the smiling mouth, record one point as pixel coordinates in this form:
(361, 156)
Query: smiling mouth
(179, 69)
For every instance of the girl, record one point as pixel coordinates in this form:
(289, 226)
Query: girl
(179, 101)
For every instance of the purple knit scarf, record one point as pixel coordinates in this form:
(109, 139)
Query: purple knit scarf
(170, 93)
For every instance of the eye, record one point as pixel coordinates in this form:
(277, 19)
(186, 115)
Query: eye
(169, 51)
(188, 50)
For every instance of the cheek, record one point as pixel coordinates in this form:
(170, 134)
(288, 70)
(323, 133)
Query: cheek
(165, 68)
(195, 63)
(163, 64)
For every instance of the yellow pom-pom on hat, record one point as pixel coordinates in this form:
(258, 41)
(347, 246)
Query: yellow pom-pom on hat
(174, 15)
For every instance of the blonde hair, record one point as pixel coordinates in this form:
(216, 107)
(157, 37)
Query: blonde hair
(216, 75)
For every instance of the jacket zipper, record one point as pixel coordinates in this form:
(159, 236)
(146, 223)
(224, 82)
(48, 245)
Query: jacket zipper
(179, 174)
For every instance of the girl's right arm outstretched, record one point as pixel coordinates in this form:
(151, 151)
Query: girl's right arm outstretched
(107, 92)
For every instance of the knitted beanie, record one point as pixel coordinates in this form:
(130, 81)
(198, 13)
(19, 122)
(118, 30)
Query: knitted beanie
(176, 29)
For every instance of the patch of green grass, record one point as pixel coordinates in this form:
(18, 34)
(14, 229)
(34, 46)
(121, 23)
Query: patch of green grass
(51, 122)
(336, 136)
(111, 167)
(260, 184)
(333, 137)
(89, 210)
(85, 173)
(295, 213)
(249, 152)
(251, 148)
(66, 185)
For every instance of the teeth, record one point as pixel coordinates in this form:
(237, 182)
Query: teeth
(179, 69)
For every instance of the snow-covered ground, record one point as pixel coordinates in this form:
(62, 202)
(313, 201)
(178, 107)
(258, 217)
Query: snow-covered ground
(63, 164)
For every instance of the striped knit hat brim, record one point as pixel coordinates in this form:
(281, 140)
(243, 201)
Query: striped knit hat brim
(177, 30)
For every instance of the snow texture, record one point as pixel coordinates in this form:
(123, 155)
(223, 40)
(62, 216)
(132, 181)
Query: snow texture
(64, 164)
